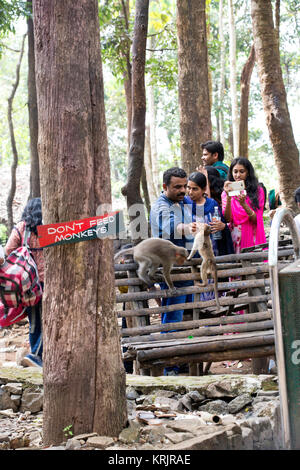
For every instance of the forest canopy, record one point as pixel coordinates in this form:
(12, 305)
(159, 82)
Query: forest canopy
(116, 31)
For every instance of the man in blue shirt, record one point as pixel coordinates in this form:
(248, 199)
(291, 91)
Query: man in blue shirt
(170, 219)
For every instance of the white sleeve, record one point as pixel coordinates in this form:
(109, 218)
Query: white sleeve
(297, 222)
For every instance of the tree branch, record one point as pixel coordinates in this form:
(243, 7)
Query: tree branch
(14, 165)
(161, 50)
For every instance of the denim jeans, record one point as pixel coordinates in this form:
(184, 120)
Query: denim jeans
(35, 329)
(177, 315)
(127, 364)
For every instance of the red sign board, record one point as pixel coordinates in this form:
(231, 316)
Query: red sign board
(81, 230)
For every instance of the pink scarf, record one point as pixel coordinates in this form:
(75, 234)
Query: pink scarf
(251, 234)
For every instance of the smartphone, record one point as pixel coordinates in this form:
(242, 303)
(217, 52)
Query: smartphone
(236, 188)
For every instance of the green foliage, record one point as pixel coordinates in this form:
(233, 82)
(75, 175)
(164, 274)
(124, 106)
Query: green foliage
(162, 66)
(3, 234)
(10, 11)
(161, 73)
(116, 121)
(116, 36)
(68, 431)
(8, 64)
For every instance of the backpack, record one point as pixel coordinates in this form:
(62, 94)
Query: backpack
(11, 315)
(19, 284)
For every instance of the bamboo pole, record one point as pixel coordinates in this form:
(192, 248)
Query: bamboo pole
(191, 341)
(259, 365)
(281, 243)
(213, 346)
(224, 301)
(243, 353)
(208, 331)
(253, 270)
(140, 296)
(221, 268)
(256, 256)
(183, 325)
(140, 320)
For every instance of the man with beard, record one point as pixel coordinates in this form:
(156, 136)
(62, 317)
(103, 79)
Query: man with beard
(170, 219)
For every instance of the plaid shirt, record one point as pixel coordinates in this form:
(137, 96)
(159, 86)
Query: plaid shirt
(33, 242)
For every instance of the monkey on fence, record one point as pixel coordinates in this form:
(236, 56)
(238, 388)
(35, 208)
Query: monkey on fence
(150, 254)
(202, 243)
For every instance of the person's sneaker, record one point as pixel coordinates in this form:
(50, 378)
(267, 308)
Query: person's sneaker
(172, 372)
(183, 368)
(32, 361)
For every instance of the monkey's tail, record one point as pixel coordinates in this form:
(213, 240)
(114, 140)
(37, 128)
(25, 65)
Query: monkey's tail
(123, 252)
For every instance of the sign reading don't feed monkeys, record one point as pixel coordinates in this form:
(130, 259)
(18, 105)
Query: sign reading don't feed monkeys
(81, 230)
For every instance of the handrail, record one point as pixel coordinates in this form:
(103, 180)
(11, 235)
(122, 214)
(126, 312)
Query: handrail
(282, 215)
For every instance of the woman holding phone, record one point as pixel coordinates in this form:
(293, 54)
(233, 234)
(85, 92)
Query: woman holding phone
(244, 212)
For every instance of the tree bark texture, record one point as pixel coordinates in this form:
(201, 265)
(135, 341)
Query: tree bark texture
(274, 99)
(84, 378)
(148, 167)
(35, 190)
(244, 109)
(193, 86)
(12, 190)
(233, 87)
(127, 74)
(137, 141)
(144, 184)
(152, 133)
(221, 90)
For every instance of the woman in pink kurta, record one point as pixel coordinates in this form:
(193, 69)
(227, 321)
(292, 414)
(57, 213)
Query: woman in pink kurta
(244, 213)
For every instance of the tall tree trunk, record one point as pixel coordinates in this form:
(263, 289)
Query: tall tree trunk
(148, 167)
(128, 72)
(145, 189)
(127, 89)
(233, 88)
(137, 141)
(209, 74)
(245, 90)
(274, 99)
(152, 132)
(277, 18)
(222, 75)
(84, 377)
(12, 191)
(193, 86)
(35, 190)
